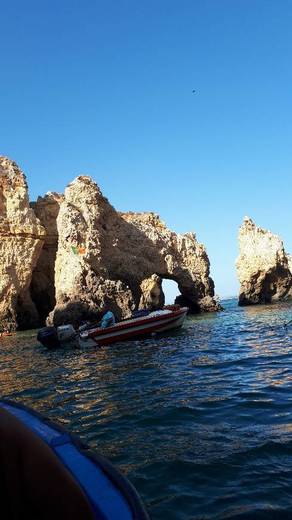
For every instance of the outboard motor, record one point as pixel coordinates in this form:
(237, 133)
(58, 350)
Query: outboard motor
(48, 337)
(67, 335)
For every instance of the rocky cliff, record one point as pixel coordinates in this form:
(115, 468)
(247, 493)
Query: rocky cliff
(109, 258)
(21, 240)
(68, 255)
(262, 266)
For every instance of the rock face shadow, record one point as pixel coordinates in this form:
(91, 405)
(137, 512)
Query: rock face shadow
(42, 287)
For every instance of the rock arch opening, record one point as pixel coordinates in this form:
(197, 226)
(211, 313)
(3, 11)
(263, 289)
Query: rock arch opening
(170, 290)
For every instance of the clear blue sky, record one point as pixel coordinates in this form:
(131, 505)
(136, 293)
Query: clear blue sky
(105, 88)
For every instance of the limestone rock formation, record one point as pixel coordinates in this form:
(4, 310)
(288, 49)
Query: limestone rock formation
(262, 266)
(152, 296)
(42, 286)
(106, 258)
(21, 240)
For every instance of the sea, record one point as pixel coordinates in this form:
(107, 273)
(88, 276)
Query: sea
(199, 420)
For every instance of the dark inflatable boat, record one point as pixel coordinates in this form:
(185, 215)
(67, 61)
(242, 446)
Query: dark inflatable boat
(107, 491)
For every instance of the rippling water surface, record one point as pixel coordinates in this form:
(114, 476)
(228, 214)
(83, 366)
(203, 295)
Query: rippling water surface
(200, 421)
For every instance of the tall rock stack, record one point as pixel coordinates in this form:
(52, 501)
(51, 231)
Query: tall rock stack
(262, 266)
(84, 281)
(109, 258)
(21, 240)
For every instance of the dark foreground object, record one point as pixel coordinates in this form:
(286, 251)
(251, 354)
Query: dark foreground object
(45, 473)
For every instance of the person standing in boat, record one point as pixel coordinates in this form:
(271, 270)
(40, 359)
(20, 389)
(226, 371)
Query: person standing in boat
(108, 318)
(104, 318)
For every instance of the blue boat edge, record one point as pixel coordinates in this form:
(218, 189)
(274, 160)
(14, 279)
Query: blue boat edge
(117, 479)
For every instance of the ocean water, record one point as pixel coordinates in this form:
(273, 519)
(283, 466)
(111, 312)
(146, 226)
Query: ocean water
(200, 421)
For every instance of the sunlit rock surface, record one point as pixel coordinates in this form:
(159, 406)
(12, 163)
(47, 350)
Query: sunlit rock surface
(105, 258)
(21, 240)
(262, 266)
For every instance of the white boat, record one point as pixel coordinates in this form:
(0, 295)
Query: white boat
(155, 322)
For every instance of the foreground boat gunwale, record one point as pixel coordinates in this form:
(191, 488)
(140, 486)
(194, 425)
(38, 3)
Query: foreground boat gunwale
(119, 482)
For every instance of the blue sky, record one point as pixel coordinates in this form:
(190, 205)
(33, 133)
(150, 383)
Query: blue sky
(105, 88)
